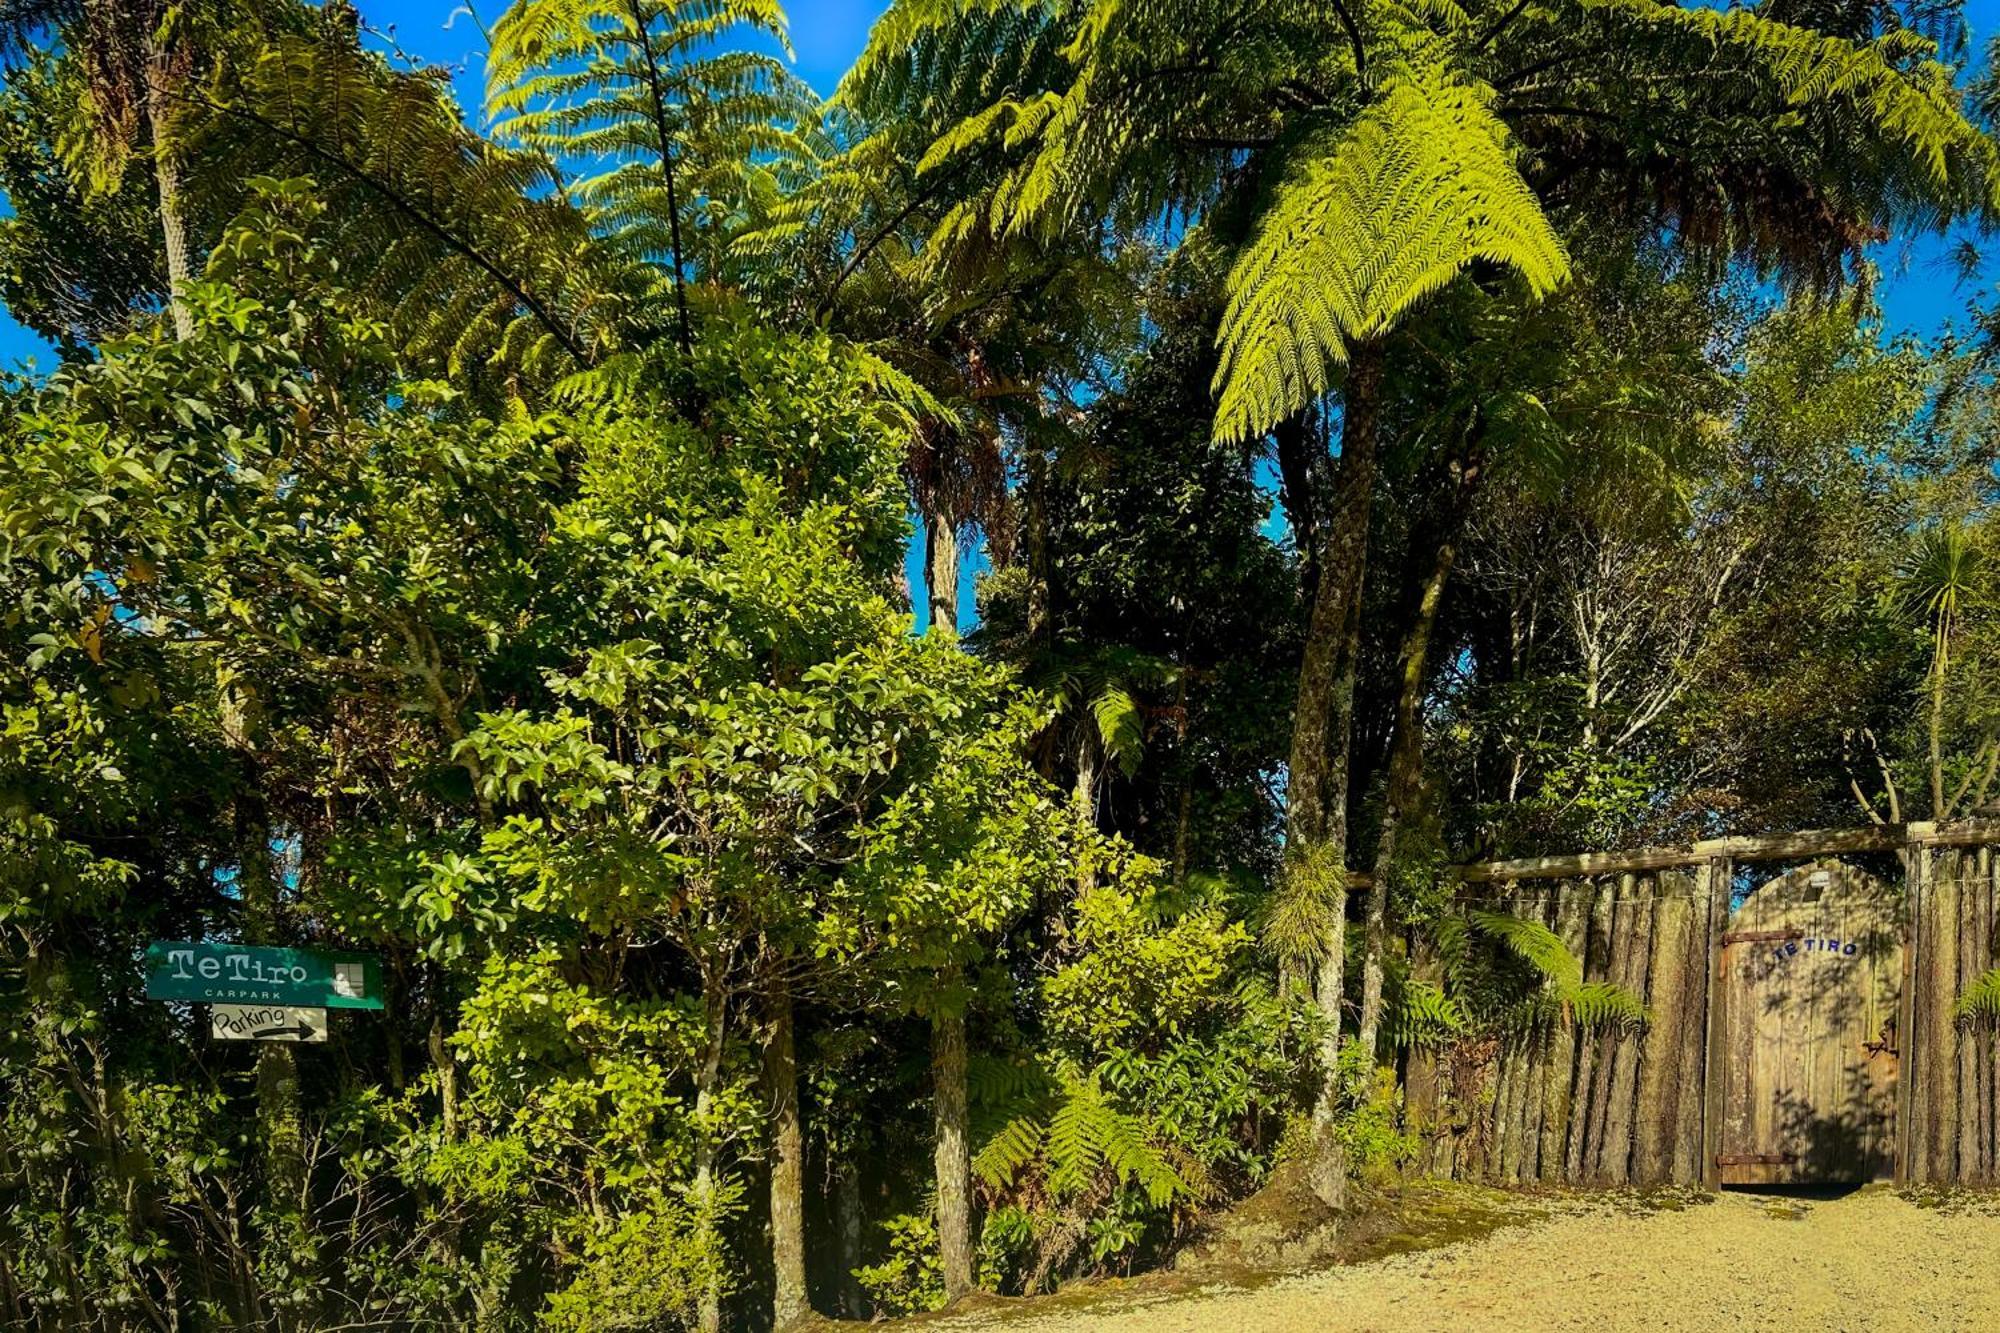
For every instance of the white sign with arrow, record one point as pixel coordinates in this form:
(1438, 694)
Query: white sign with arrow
(267, 1022)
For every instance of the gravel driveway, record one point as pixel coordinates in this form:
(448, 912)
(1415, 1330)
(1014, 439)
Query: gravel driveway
(1867, 1261)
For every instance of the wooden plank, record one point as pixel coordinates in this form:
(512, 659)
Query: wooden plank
(1941, 1068)
(1717, 876)
(1656, 1118)
(1615, 942)
(1926, 1071)
(1508, 1167)
(1691, 1072)
(1632, 950)
(1909, 1104)
(1971, 951)
(1534, 1089)
(1989, 1091)
(1571, 924)
(1802, 845)
(1597, 928)
(1573, 866)
(1420, 1066)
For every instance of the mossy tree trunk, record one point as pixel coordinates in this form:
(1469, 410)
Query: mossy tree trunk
(1322, 725)
(789, 1302)
(953, 1156)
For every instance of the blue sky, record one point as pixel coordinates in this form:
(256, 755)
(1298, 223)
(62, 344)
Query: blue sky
(1919, 291)
(826, 34)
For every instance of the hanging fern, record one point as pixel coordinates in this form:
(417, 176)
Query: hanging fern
(1304, 907)
(1121, 728)
(1536, 944)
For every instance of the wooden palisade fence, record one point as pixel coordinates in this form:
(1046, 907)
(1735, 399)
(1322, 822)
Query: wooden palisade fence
(1653, 1106)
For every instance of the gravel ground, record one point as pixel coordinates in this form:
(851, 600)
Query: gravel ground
(1867, 1261)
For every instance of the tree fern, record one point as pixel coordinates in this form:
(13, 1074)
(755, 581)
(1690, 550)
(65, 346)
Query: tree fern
(1422, 185)
(469, 251)
(1072, 1140)
(669, 134)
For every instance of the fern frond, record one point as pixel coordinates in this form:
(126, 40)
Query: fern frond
(1120, 728)
(1564, 994)
(1369, 223)
(1979, 1003)
(1420, 1014)
(1536, 944)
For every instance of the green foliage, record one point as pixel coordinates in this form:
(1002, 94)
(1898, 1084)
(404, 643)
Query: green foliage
(1371, 1127)
(1978, 1004)
(494, 562)
(1562, 989)
(672, 141)
(651, 1270)
(1166, 1061)
(1422, 185)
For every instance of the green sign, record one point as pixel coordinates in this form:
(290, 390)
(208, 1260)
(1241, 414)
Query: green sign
(252, 974)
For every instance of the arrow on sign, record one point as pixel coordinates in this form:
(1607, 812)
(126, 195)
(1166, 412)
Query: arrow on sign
(297, 1032)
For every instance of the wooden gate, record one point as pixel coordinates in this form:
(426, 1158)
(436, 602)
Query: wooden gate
(1810, 975)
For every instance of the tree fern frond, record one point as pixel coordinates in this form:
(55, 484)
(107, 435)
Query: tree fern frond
(1535, 943)
(1369, 223)
(1979, 1003)
(1120, 728)
(1421, 1014)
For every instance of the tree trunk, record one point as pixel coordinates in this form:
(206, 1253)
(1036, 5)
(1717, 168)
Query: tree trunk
(1083, 799)
(789, 1302)
(278, 1126)
(1406, 751)
(941, 570)
(708, 1081)
(847, 1214)
(953, 1153)
(1322, 724)
(166, 174)
(1299, 479)
(1034, 500)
